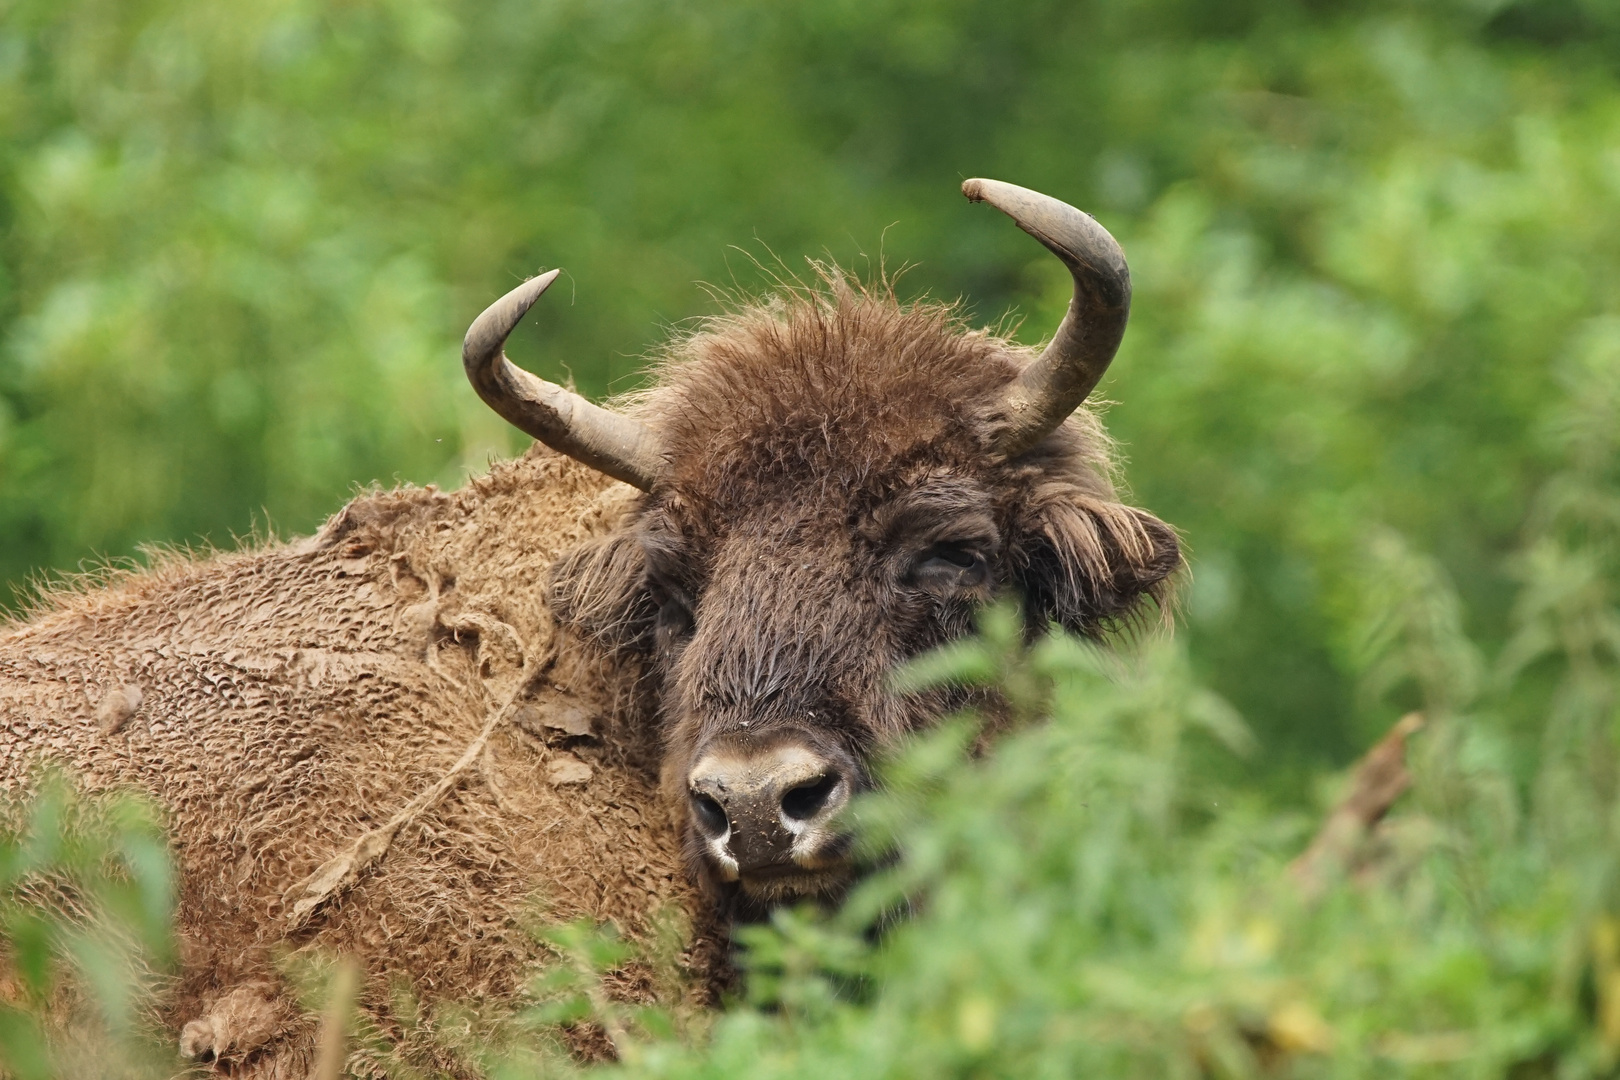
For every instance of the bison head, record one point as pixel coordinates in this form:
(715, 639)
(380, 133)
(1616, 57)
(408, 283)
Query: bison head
(832, 483)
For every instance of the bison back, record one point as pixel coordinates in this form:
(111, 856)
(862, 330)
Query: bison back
(372, 742)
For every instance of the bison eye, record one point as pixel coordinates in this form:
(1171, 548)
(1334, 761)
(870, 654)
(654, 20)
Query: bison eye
(950, 567)
(674, 623)
(955, 554)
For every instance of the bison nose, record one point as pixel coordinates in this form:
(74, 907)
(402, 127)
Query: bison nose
(770, 809)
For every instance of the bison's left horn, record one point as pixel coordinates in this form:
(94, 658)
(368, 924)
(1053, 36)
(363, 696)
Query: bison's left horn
(606, 441)
(1051, 388)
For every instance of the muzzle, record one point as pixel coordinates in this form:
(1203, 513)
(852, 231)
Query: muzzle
(764, 810)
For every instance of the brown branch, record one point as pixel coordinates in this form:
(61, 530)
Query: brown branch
(1379, 779)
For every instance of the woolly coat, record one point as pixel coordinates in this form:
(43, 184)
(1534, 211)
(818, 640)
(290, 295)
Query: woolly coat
(372, 742)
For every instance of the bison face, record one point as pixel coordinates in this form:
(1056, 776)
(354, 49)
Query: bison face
(833, 483)
(775, 642)
(775, 609)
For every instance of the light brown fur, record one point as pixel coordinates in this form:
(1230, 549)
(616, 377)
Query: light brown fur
(296, 696)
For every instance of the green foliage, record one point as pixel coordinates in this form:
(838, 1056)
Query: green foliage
(241, 241)
(86, 899)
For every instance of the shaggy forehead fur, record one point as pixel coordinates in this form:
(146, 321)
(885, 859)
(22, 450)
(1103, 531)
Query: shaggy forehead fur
(843, 392)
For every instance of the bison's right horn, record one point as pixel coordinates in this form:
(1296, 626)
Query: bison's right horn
(1051, 388)
(606, 441)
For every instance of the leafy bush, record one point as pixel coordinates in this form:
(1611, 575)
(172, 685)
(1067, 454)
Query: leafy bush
(86, 898)
(1087, 901)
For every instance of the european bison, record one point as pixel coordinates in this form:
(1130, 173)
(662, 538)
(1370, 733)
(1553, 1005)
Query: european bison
(448, 715)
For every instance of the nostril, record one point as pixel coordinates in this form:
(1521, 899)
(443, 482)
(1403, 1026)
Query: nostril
(710, 815)
(806, 801)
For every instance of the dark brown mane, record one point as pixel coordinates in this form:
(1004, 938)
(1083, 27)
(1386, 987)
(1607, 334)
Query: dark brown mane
(842, 382)
(846, 387)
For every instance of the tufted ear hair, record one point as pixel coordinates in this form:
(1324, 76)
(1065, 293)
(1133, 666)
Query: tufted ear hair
(1089, 563)
(599, 590)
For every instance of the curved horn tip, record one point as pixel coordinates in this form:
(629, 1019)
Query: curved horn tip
(1074, 236)
(1011, 199)
(494, 325)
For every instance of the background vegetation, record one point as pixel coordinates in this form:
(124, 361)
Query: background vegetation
(1373, 244)
(1373, 375)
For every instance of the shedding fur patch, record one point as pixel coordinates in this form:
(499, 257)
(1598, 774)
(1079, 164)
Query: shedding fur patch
(293, 705)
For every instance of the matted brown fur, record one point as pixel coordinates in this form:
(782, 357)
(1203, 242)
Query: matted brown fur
(294, 697)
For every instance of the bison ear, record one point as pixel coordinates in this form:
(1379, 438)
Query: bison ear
(1091, 564)
(599, 590)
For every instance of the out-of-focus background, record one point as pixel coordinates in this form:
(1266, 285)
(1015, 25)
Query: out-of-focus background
(1376, 248)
